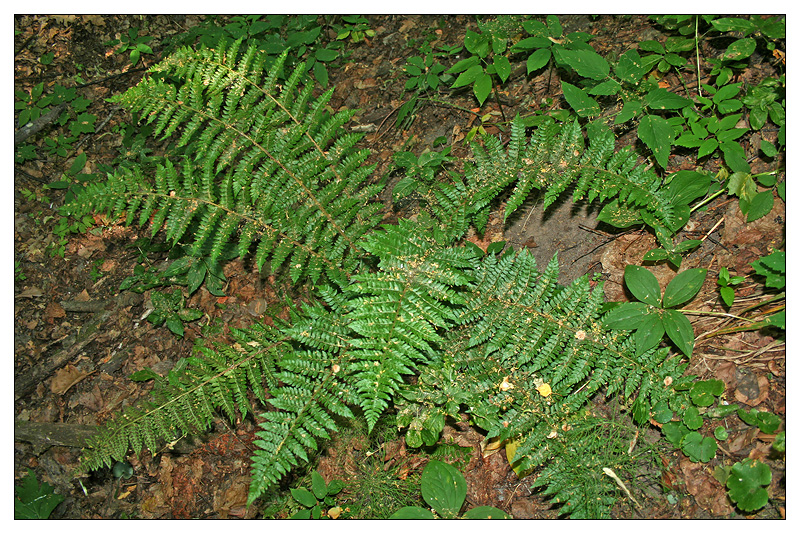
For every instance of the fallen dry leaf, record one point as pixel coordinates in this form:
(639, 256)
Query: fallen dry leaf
(66, 378)
(708, 493)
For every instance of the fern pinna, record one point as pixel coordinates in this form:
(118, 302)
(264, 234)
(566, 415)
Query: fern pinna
(268, 169)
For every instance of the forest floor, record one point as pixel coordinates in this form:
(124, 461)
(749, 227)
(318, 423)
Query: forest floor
(77, 338)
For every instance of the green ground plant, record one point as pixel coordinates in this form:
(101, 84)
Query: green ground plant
(34, 500)
(321, 495)
(133, 43)
(273, 177)
(445, 490)
(653, 315)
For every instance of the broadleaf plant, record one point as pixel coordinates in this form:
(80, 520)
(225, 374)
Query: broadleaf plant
(653, 315)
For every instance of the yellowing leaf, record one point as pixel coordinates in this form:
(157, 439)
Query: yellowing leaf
(544, 390)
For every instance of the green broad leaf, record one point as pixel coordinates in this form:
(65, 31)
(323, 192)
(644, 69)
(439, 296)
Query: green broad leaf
(734, 156)
(658, 135)
(531, 43)
(464, 65)
(720, 433)
(692, 418)
(326, 54)
(468, 76)
(760, 206)
(705, 392)
(404, 187)
(660, 98)
(606, 88)
(301, 514)
(482, 87)
(503, 67)
(707, 147)
(777, 319)
(688, 140)
(304, 497)
(686, 186)
(629, 110)
(656, 254)
(412, 512)
(626, 316)
(767, 422)
(443, 488)
(77, 164)
(649, 333)
(780, 442)
(728, 295)
(580, 101)
(35, 501)
(722, 410)
(674, 431)
(699, 448)
(196, 275)
(740, 49)
(144, 375)
(679, 330)
(175, 325)
(586, 63)
(684, 287)
(630, 68)
(318, 486)
(476, 43)
(746, 484)
(687, 245)
(733, 24)
(485, 512)
(335, 486)
(538, 59)
(650, 46)
(661, 412)
(643, 285)
(321, 73)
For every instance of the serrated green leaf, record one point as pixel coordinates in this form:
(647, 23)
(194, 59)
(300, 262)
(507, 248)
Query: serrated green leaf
(482, 87)
(580, 101)
(660, 98)
(658, 135)
(760, 206)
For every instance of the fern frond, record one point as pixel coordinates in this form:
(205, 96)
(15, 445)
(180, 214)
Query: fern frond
(397, 311)
(189, 400)
(270, 167)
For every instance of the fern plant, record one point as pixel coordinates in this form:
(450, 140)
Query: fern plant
(267, 169)
(270, 171)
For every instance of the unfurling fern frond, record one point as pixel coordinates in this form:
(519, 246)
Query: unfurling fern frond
(269, 168)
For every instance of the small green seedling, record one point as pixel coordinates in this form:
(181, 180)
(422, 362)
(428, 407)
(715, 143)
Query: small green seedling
(169, 308)
(35, 501)
(445, 490)
(726, 283)
(653, 315)
(321, 494)
(133, 42)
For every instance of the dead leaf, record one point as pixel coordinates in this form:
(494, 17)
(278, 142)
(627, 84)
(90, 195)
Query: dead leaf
(53, 311)
(30, 293)
(66, 378)
(83, 296)
(708, 493)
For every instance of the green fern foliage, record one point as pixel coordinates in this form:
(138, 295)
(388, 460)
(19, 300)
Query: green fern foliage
(269, 168)
(212, 383)
(520, 331)
(554, 159)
